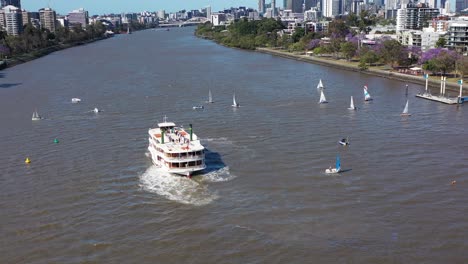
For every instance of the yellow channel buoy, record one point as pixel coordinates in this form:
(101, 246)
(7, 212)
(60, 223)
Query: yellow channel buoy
(27, 161)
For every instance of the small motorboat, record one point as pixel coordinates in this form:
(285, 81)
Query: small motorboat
(344, 142)
(196, 107)
(75, 100)
(96, 110)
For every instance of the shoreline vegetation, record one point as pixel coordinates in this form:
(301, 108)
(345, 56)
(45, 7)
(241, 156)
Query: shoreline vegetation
(35, 43)
(342, 48)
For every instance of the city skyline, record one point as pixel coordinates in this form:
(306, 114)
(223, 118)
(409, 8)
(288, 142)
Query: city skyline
(118, 6)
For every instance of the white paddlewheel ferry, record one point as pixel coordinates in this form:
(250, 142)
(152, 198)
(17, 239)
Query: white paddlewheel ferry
(176, 150)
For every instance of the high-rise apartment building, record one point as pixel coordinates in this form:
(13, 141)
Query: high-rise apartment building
(331, 8)
(78, 17)
(13, 20)
(261, 6)
(48, 19)
(415, 16)
(16, 3)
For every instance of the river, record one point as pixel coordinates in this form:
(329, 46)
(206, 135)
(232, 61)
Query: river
(95, 197)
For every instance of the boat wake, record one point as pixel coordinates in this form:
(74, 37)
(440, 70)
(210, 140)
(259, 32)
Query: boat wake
(216, 175)
(179, 189)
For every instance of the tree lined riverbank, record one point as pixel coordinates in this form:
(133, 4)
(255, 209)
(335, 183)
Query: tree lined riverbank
(341, 48)
(349, 66)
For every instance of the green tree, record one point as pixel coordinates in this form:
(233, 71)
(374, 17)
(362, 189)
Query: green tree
(298, 34)
(348, 49)
(391, 51)
(441, 42)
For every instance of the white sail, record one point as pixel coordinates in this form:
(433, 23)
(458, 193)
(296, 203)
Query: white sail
(367, 96)
(320, 84)
(405, 111)
(322, 98)
(234, 103)
(210, 97)
(351, 105)
(36, 116)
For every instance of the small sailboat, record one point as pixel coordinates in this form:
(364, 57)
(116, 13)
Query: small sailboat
(405, 111)
(210, 97)
(322, 100)
(234, 102)
(320, 85)
(36, 116)
(351, 105)
(367, 96)
(128, 30)
(337, 168)
(344, 142)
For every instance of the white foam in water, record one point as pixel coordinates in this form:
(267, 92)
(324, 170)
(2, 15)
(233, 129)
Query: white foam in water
(220, 175)
(175, 188)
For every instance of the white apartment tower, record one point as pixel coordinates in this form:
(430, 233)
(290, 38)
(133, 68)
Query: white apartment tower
(331, 8)
(13, 20)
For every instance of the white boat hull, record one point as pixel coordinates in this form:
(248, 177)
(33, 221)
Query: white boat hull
(332, 171)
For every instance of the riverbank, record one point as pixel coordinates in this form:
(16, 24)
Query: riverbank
(42, 52)
(345, 65)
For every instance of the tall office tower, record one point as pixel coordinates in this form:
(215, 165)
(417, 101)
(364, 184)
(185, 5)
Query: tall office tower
(442, 3)
(48, 19)
(294, 5)
(309, 4)
(208, 12)
(331, 8)
(261, 6)
(460, 5)
(16, 3)
(273, 7)
(447, 7)
(13, 20)
(432, 3)
(391, 4)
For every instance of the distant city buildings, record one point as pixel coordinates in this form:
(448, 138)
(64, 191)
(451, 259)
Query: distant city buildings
(48, 19)
(78, 17)
(261, 6)
(13, 20)
(415, 16)
(16, 3)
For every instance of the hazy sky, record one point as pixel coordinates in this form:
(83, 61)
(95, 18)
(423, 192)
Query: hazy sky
(96, 7)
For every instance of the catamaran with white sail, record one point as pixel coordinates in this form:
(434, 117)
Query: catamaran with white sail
(405, 111)
(351, 105)
(367, 96)
(176, 150)
(36, 116)
(210, 97)
(234, 102)
(320, 85)
(322, 100)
